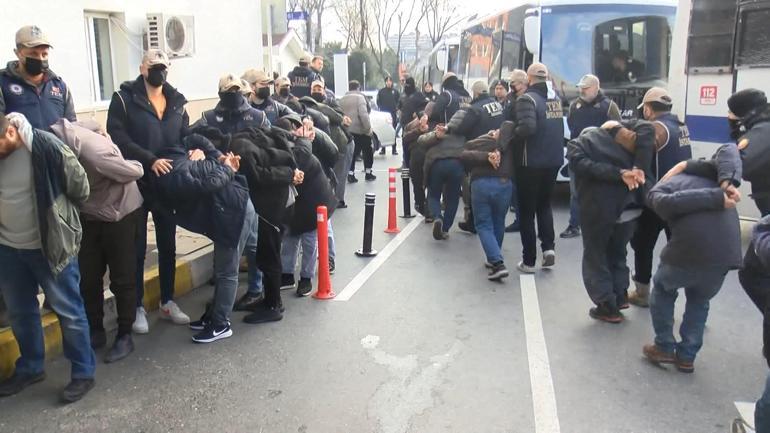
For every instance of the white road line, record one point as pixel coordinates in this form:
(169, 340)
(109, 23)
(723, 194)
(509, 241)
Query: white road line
(360, 279)
(543, 395)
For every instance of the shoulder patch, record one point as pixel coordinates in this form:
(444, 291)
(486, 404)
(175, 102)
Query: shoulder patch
(743, 144)
(16, 89)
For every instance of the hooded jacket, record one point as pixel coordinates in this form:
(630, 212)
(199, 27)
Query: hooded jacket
(704, 233)
(231, 121)
(755, 276)
(453, 97)
(112, 179)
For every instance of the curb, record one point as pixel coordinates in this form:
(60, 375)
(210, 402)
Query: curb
(192, 271)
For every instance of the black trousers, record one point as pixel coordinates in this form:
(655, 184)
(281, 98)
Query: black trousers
(109, 245)
(648, 228)
(269, 261)
(535, 187)
(605, 272)
(363, 145)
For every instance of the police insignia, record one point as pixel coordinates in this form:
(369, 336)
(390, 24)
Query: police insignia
(16, 89)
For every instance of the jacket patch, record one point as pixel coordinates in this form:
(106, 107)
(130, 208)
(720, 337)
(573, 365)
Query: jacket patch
(16, 89)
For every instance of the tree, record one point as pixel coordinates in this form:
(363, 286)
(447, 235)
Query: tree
(440, 17)
(354, 19)
(388, 13)
(313, 8)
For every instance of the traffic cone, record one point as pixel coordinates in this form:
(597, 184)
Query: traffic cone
(324, 279)
(392, 220)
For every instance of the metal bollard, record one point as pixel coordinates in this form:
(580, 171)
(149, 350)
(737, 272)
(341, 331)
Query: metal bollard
(367, 250)
(405, 179)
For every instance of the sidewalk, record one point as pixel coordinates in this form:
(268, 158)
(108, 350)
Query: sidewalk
(194, 262)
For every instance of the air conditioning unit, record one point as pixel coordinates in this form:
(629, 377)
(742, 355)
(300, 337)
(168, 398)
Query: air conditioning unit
(174, 34)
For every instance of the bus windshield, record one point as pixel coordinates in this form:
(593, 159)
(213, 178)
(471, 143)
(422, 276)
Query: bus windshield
(622, 44)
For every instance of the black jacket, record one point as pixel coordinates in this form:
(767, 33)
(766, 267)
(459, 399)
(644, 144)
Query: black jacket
(136, 129)
(756, 156)
(475, 157)
(387, 99)
(205, 197)
(411, 105)
(453, 97)
(485, 114)
(314, 191)
(583, 115)
(596, 160)
(232, 121)
(755, 277)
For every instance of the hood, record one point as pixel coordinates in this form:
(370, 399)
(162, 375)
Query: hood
(729, 165)
(760, 116)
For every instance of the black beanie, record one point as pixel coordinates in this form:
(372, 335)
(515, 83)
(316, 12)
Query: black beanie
(744, 102)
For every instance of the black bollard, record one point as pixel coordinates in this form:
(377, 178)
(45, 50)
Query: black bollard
(405, 179)
(367, 250)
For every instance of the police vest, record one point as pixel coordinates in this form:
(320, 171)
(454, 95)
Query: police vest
(545, 149)
(455, 103)
(42, 106)
(583, 115)
(231, 122)
(490, 116)
(676, 149)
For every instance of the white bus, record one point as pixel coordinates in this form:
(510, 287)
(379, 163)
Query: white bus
(720, 46)
(443, 58)
(625, 43)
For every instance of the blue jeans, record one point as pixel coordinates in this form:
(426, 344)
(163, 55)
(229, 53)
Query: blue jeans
(446, 176)
(165, 238)
(290, 250)
(762, 411)
(700, 285)
(574, 209)
(22, 272)
(226, 261)
(491, 198)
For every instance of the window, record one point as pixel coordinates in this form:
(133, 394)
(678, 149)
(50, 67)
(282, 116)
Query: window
(712, 24)
(99, 41)
(754, 40)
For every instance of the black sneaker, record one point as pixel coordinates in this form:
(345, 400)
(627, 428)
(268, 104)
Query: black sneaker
(287, 281)
(352, 178)
(498, 272)
(122, 347)
(467, 226)
(304, 287)
(17, 382)
(331, 266)
(98, 339)
(342, 205)
(248, 302)
(395, 152)
(370, 177)
(606, 313)
(382, 151)
(77, 389)
(438, 230)
(212, 333)
(265, 314)
(200, 324)
(570, 232)
(513, 227)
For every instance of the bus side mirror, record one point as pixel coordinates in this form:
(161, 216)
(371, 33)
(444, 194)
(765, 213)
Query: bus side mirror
(532, 31)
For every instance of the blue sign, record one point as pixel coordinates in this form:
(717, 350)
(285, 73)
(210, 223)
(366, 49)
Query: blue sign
(296, 16)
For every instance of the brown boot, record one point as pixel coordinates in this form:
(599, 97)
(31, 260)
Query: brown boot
(657, 355)
(641, 296)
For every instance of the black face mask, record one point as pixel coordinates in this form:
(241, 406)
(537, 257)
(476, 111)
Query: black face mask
(263, 93)
(157, 77)
(284, 93)
(319, 97)
(35, 66)
(736, 128)
(230, 100)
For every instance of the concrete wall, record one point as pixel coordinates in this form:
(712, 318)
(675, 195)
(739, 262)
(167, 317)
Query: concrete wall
(228, 37)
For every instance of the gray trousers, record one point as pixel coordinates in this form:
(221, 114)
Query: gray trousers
(341, 171)
(605, 271)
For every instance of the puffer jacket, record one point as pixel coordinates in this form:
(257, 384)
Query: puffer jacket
(316, 190)
(475, 157)
(755, 276)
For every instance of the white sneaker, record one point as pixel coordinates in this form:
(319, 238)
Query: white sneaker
(171, 311)
(525, 269)
(140, 325)
(549, 258)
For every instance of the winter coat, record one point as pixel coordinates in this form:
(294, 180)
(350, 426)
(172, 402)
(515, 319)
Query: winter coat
(112, 179)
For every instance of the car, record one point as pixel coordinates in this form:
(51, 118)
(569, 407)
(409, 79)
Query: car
(382, 123)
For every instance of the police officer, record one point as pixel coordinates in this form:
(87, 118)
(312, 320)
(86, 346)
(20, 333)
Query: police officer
(453, 97)
(301, 77)
(540, 123)
(260, 97)
(656, 106)
(590, 109)
(317, 66)
(484, 115)
(29, 87)
(233, 112)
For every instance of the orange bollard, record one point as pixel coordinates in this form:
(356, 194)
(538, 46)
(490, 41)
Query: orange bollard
(392, 220)
(324, 279)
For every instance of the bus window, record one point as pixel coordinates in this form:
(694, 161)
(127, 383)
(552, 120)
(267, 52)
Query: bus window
(754, 41)
(630, 50)
(711, 35)
(453, 60)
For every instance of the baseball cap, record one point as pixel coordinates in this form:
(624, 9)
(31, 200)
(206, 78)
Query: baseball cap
(229, 81)
(246, 89)
(317, 83)
(538, 70)
(283, 81)
(154, 57)
(588, 81)
(305, 58)
(31, 36)
(656, 94)
(518, 76)
(256, 76)
(479, 87)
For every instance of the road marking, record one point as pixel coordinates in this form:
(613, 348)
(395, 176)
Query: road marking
(543, 395)
(363, 276)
